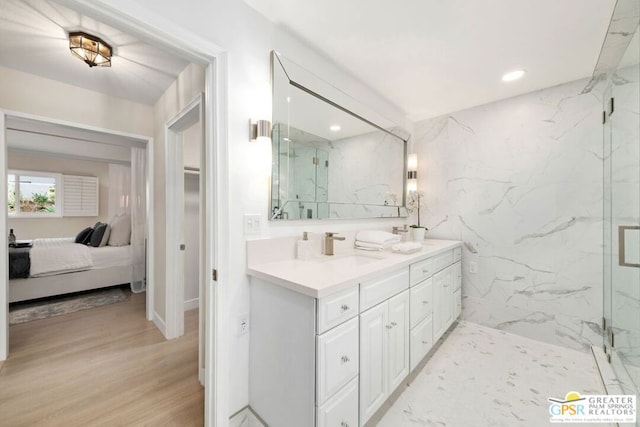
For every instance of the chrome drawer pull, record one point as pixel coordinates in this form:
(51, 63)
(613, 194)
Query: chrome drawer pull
(389, 326)
(345, 359)
(425, 302)
(425, 271)
(393, 324)
(344, 424)
(425, 342)
(344, 307)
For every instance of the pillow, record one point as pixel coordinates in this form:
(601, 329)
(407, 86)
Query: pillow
(120, 231)
(100, 235)
(80, 238)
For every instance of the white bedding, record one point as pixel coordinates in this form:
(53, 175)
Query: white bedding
(59, 255)
(53, 256)
(111, 256)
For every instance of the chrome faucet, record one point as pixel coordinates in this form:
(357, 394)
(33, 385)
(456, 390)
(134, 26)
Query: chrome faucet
(398, 230)
(328, 242)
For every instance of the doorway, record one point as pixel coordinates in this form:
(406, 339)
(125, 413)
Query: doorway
(213, 176)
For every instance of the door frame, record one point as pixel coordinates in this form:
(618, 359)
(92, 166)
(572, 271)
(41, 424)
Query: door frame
(150, 263)
(174, 211)
(153, 28)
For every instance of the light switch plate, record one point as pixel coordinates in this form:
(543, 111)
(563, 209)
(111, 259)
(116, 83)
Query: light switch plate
(252, 223)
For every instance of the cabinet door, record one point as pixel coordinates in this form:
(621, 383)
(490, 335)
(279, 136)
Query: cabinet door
(457, 303)
(438, 297)
(373, 360)
(443, 301)
(457, 276)
(398, 339)
(447, 293)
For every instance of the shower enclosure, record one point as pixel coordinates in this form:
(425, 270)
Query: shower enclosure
(619, 67)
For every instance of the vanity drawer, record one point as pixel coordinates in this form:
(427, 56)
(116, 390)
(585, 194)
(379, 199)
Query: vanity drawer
(457, 254)
(337, 359)
(421, 301)
(443, 260)
(377, 290)
(421, 270)
(421, 341)
(337, 308)
(342, 409)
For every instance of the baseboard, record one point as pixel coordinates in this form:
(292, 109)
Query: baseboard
(157, 320)
(245, 417)
(191, 304)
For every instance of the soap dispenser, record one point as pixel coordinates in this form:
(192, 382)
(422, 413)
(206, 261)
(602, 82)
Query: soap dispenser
(305, 247)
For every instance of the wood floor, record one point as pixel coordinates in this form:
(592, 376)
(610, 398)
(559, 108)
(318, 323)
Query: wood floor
(106, 366)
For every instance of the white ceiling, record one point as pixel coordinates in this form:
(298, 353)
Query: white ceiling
(434, 57)
(33, 39)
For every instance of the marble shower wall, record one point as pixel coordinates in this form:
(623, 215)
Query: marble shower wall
(520, 182)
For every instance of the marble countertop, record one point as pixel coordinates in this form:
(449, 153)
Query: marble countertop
(322, 276)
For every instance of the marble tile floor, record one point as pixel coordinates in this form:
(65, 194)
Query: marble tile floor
(485, 377)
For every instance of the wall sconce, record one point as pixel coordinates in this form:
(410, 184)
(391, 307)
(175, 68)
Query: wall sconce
(259, 130)
(412, 172)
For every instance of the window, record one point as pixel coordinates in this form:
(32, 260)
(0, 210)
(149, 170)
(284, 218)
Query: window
(34, 194)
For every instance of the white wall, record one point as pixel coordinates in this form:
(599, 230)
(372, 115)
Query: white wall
(32, 94)
(248, 38)
(520, 182)
(30, 228)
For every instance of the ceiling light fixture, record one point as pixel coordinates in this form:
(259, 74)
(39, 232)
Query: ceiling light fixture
(90, 49)
(334, 128)
(513, 75)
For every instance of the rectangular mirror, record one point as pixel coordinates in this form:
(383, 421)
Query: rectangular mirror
(331, 158)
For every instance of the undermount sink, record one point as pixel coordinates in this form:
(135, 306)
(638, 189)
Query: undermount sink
(348, 260)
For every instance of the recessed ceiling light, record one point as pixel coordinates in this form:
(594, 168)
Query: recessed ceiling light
(513, 75)
(334, 128)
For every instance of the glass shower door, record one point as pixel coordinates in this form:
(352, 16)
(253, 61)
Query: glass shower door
(622, 220)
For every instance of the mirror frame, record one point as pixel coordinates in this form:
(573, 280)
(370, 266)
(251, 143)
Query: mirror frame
(396, 131)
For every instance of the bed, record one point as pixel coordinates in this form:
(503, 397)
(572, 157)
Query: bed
(61, 266)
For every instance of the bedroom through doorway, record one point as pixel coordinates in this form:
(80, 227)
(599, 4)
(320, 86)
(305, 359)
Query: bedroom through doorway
(89, 248)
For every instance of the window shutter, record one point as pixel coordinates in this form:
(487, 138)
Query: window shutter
(80, 195)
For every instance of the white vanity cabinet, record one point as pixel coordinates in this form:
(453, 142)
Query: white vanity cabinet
(328, 347)
(384, 352)
(304, 356)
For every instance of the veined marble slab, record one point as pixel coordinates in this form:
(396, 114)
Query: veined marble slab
(519, 181)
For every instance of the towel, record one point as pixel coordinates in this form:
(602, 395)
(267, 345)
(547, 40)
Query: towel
(377, 237)
(368, 246)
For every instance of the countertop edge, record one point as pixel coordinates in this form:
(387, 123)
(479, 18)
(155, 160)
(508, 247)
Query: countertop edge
(350, 280)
